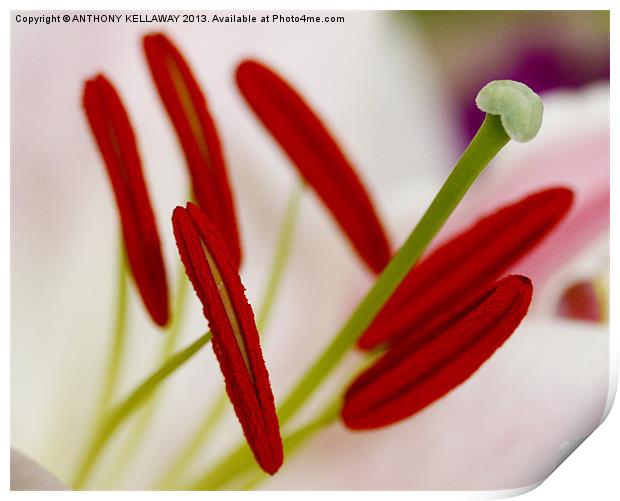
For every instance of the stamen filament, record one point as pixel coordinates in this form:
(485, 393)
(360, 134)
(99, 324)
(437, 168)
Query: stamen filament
(120, 328)
(115, 358)
(130, 446)
(134, 401)
(284, 245)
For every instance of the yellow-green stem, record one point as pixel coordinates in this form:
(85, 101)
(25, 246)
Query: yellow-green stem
(284, 245)
(130, 446)
(118, 338)
(136, 399)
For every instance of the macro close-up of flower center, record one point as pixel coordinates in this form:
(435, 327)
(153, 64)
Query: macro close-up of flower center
(304, 267)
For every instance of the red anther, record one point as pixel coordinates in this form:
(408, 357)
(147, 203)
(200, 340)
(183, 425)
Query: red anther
(117, 144)
(187, 108)
(465, 266)
(318, 158)
(409, 377)
(212, 272)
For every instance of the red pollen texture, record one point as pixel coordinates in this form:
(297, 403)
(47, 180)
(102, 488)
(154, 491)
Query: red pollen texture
(465, 266)
(248, 390)
(115, 138)
(318, 158)
(187, 108)
(410, 377)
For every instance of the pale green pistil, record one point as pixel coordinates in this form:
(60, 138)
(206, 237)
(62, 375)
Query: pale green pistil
(519, 108)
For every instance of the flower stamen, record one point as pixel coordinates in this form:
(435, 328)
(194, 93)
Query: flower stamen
(236, 344)
(466, 265)
(317, 156)
(115, 138)
(409, 377)
(187, 108)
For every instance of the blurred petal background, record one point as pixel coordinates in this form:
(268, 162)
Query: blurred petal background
(397, 89)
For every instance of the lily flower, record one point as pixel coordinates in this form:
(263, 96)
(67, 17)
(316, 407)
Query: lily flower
(401, 140)
(211, 270)
(117, 144)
